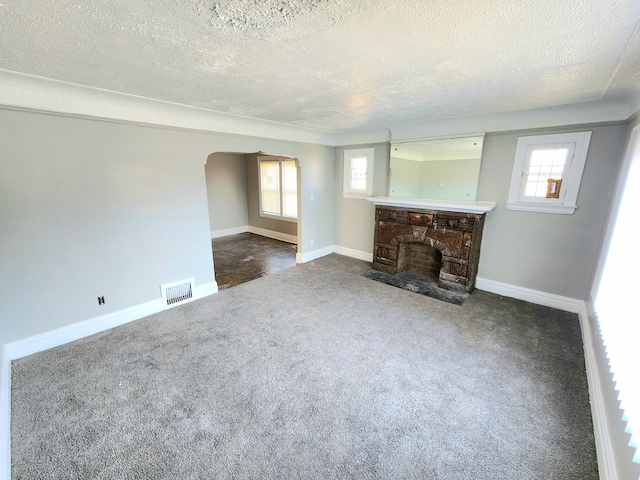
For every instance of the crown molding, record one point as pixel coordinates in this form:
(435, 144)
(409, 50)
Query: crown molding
(33, 93)
(362, 137)
(557, 116)
(28, 92)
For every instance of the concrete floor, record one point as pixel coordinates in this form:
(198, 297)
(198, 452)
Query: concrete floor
(246, 256)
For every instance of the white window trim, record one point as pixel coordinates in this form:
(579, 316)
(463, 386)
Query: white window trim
(349, 154)
(273, 216)
(571, 177)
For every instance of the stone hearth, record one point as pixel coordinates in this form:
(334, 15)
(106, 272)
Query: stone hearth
(457, 235)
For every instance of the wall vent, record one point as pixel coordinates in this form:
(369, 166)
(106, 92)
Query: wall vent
(177, 292)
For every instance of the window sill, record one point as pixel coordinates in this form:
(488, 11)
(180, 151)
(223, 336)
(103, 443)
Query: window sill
(278, 217)
(361, 196)
(542, 208)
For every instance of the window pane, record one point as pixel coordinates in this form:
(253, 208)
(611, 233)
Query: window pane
(544, 163)
(290, 189)
(556, 171)
(290, 205)
(358, 179)
(270, 187)
(531, 189)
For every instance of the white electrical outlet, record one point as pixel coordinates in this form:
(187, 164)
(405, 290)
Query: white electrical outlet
(312, 243)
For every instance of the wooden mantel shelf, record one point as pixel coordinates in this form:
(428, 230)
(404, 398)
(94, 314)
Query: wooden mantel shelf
(440, 205)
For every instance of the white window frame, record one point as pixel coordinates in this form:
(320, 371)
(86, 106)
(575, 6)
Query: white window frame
(349, 156)
(578, 143)
(279, 216)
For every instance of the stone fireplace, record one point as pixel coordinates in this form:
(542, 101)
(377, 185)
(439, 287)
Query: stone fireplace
(436, 242)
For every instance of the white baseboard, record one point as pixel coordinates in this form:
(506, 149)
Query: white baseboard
(283, 237)
(229, 231)
(602, 434)
(201, 291)
(300, 257)
(5, 414)
(76, 331)
(308, 256)
(321, 252)
(350, 252)
(534, 296)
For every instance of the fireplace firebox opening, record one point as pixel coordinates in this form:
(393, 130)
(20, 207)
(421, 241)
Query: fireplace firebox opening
(421, 259)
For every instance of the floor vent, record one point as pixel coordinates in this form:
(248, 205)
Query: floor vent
(177, 292)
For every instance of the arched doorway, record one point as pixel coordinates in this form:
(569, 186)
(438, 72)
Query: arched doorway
(254, 214)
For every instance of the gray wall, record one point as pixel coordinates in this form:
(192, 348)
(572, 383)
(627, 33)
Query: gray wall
(354, 218)
(253, 203)
(226, 191)
(540, 251)
(91, 208)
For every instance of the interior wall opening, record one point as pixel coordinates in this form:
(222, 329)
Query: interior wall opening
(254, 214)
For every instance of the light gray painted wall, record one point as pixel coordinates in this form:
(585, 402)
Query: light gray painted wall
(540, 251)
(354, 218)
(253, 203)
(94, 209)
(91, 208)
(226, 191)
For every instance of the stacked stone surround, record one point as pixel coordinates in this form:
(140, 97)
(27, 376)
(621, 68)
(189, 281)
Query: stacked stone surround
(456, 235)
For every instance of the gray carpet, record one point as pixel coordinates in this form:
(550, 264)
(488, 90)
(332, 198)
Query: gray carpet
(318, 373)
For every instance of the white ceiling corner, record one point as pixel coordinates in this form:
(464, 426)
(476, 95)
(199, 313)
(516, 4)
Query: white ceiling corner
(337, 68)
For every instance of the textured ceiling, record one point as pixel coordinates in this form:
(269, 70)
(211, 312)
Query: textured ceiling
(334, 65)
